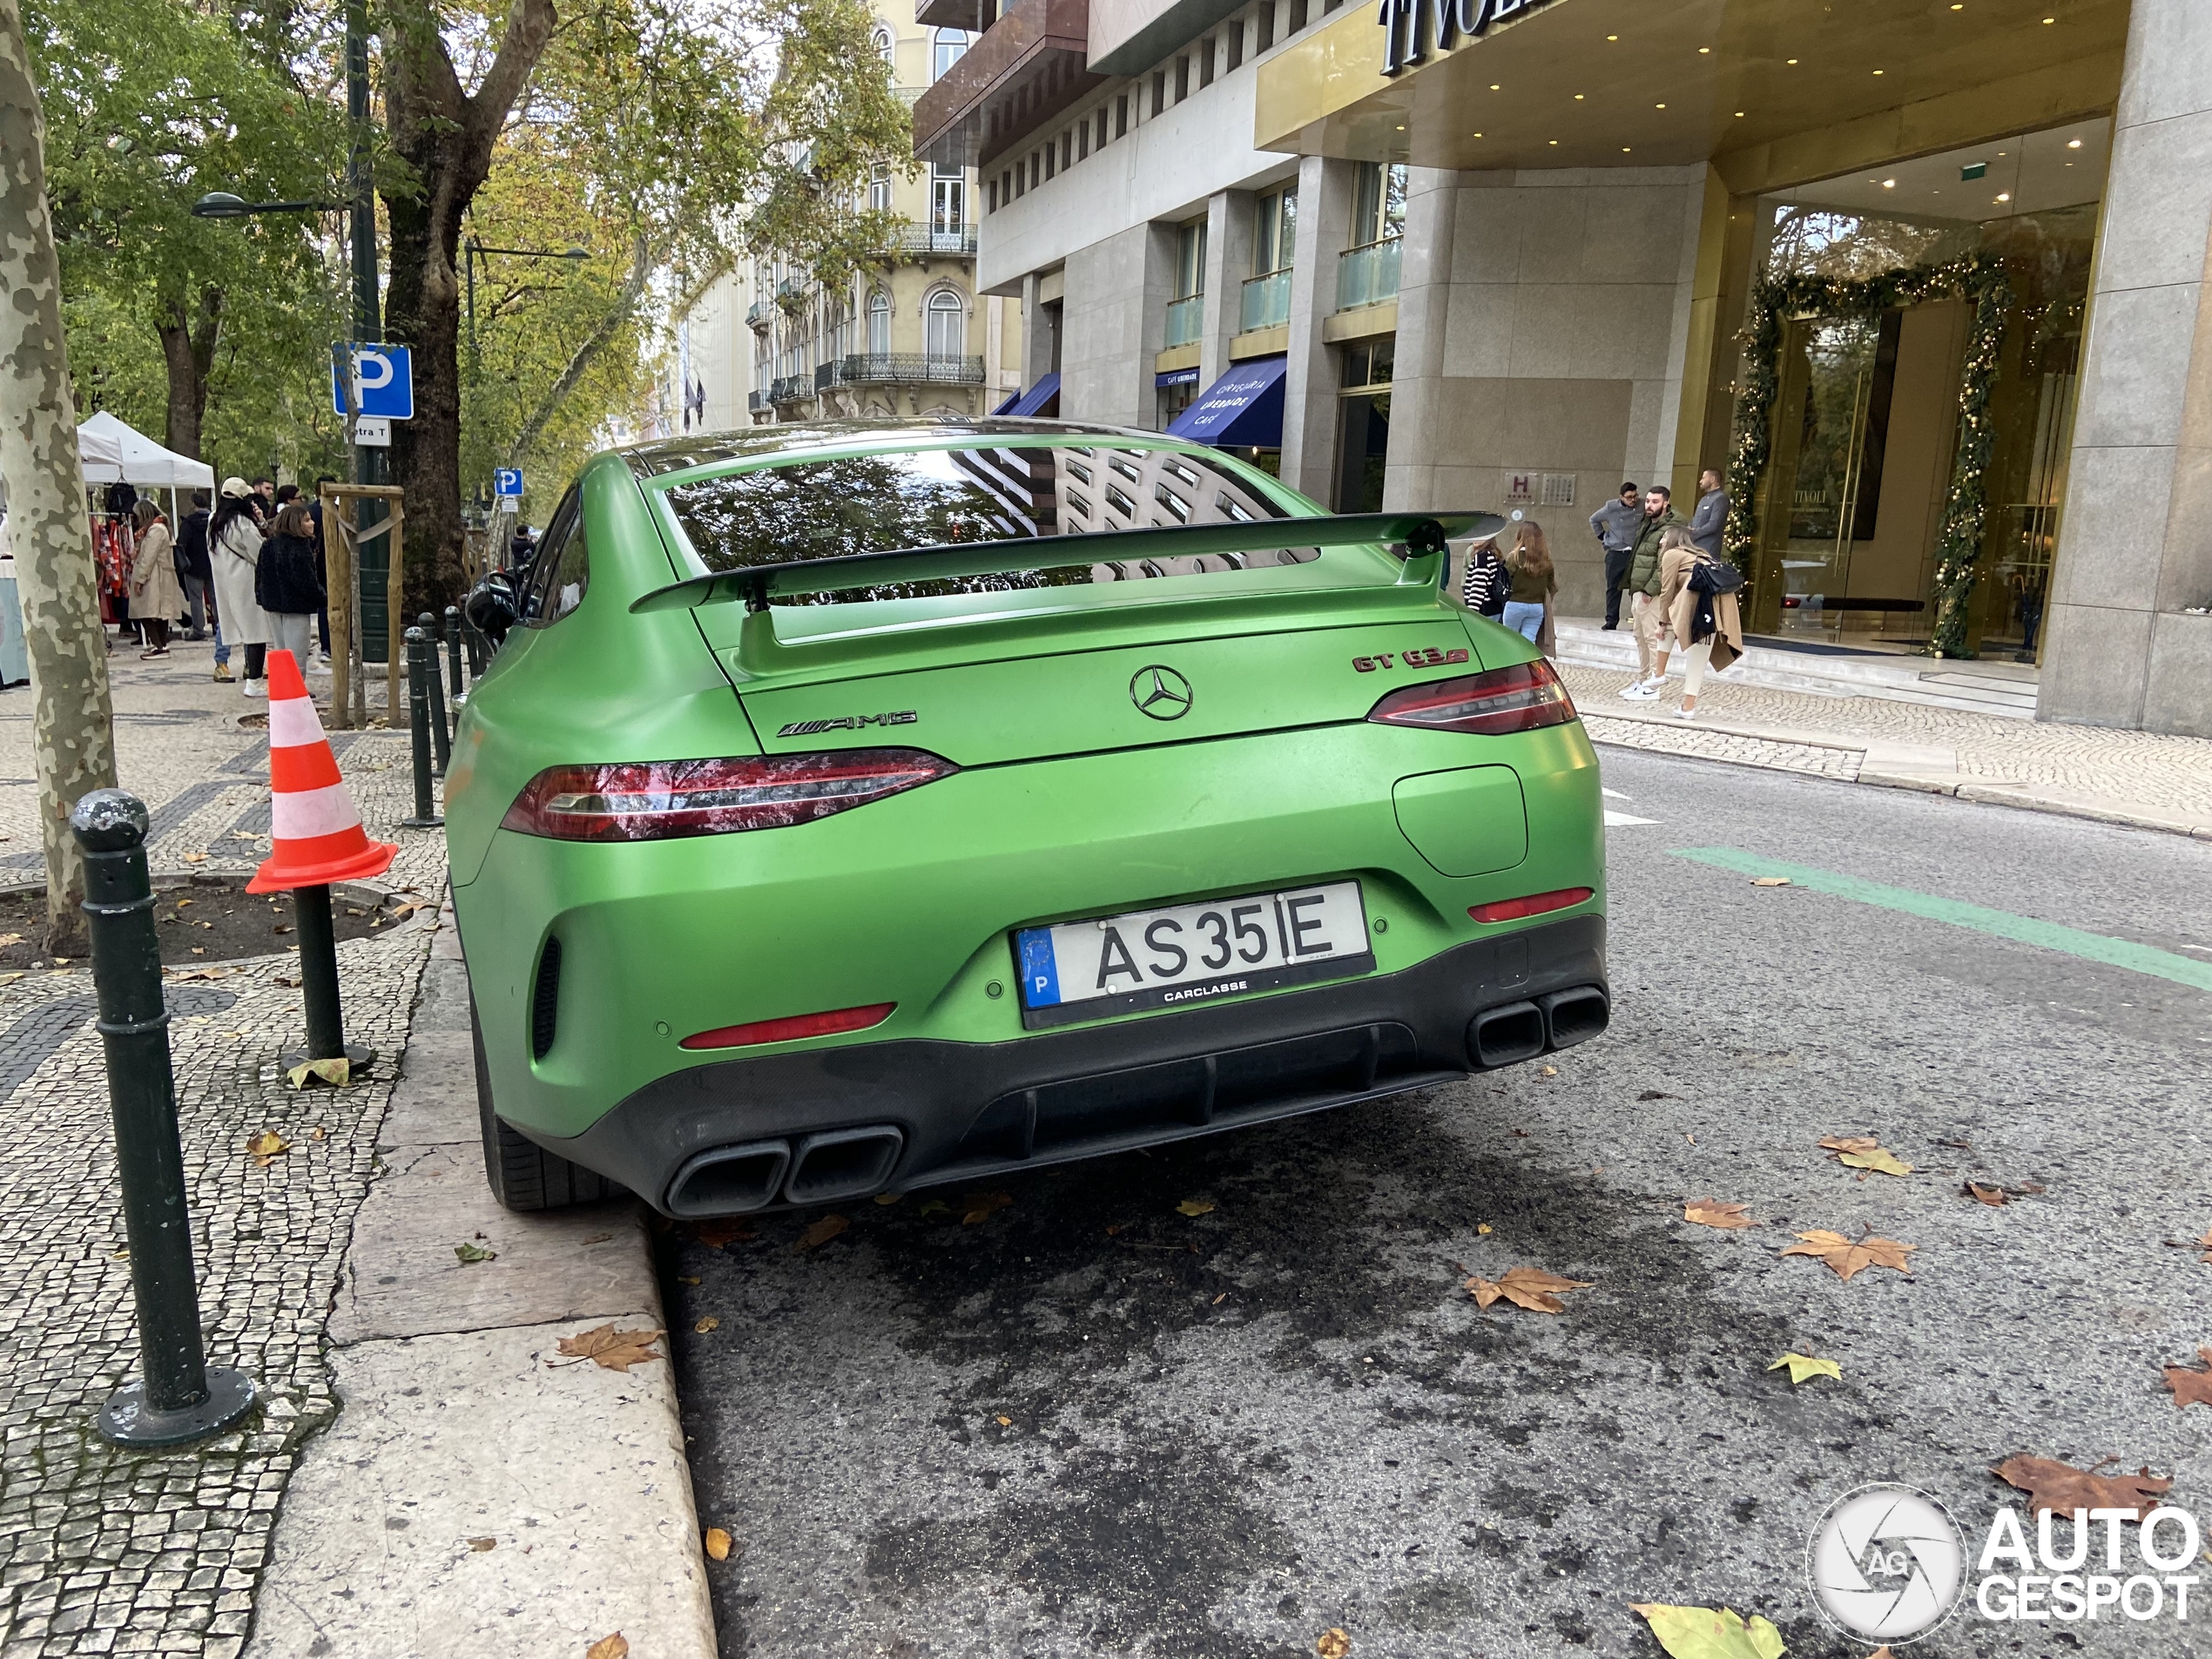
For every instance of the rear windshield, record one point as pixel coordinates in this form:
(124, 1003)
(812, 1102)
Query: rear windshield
(874, 503)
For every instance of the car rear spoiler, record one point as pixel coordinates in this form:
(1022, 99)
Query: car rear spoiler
(1420, 534)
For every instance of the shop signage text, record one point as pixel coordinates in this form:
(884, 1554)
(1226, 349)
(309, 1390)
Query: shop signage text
(1414, 29)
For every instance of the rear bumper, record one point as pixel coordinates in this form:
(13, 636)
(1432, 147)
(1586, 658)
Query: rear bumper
(932, 1111)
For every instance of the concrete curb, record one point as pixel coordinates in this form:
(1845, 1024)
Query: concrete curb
(478, 1494)
(1907, 766)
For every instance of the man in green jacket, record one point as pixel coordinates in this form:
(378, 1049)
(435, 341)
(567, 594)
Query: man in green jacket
(1642, 587)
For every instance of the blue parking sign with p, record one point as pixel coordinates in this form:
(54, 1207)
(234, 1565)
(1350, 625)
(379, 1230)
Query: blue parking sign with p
(507, 481)
(382, 380)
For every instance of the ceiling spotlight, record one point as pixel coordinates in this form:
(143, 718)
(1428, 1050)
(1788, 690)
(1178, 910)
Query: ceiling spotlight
(1493, 86)
(1790, 60)
(1554, 143)
(1613, 37)
(1658, 106)
(2073, 143)
(1624, 149)
(1402, 129)
(1889, 184)
(1578, 98)
(1703, 52)
(2003, 195)
(1739, 115)
(2050, 20)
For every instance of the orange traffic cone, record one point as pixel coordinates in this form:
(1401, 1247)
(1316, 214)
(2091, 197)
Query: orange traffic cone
(316, 835)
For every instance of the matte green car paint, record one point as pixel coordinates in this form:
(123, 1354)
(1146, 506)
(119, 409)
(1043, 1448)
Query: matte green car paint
(1274, 779)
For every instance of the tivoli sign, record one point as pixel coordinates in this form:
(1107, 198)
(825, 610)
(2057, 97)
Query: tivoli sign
(1415, 28)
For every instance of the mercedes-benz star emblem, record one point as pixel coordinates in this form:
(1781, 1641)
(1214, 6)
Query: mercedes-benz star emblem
(1160, 692)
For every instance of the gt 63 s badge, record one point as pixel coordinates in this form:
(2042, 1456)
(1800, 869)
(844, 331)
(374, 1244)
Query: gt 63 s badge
(1423, 656)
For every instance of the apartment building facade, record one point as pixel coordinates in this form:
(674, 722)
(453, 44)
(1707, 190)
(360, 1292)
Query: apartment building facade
(762, 340)
(1924, 278)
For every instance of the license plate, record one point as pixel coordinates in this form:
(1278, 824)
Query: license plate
(1186, 954)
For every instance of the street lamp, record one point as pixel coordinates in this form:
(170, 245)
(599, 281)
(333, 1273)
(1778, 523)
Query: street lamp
(221, 204)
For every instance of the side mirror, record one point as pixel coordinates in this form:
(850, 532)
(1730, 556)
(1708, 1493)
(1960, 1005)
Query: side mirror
(490, 607)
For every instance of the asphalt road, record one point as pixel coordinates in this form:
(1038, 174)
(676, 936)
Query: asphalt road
(1226, 1434)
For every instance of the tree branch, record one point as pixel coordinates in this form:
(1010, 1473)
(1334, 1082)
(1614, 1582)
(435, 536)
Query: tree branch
(618, 314)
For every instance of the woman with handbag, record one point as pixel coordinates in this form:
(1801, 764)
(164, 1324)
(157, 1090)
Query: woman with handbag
(234, 550)
(288, 582)
(1697, 593)
(157, 598)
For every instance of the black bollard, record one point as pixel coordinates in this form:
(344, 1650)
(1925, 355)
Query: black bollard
(478, 648)
(181, 1397)
(441, 733)
(310, 917)
(454, 684)
(418, 711)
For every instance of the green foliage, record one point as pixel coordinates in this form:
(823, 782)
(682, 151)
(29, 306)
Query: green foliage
(1980, 278)
(150, 103)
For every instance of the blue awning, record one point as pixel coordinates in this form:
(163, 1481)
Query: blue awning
(1033, 401)
(1177, 377)
(1013, 398)
(1241, 410)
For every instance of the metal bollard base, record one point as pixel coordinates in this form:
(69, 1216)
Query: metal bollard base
(422, 823)
(359, 1061)
(126, 1419)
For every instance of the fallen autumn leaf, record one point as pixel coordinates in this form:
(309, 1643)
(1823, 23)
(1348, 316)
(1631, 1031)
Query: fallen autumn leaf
(1804, 1365)
(982, 1205)
(1847, 1257)
(1711, 1212)
(1864, 1152)
(267, 1144)
(820, 1233)
(471, 1254)
(613, 1647)
(1333, 1644)
(1770, 880)
(1995, 1197)
(616, 1350)
(1709, 1633)
(2062, 1488)
(333, 1072)
(715, 1235)
(709, 1323)
(478, 1546)
(2192, 1385)
(717, 1544)
(1195, 1207)
(1526, 1287)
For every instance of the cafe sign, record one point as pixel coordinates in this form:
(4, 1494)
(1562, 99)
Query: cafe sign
(1414, 29)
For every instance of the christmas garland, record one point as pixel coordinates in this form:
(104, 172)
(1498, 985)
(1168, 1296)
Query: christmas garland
(1980, 278)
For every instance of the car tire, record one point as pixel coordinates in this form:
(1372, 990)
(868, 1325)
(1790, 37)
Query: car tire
(523, 1175)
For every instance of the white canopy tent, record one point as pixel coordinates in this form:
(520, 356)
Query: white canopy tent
(111, 452)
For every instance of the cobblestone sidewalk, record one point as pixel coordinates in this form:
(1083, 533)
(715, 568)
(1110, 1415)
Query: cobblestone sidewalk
(103, 1551)
(1833, 737)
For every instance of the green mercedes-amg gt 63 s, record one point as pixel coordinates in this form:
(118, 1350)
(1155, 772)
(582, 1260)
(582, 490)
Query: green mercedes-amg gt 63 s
(867, 806)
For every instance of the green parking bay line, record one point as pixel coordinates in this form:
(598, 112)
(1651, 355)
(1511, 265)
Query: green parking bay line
(2096, 947)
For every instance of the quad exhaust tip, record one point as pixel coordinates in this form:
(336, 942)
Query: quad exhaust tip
(843, 1163)
(1517, 1031)
(729, 1180)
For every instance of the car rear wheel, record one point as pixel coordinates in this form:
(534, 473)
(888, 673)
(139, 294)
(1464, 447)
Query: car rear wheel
(523, 1175)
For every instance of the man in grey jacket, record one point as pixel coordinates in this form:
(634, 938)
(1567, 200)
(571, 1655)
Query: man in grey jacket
(1617, 523)
(1709, 522)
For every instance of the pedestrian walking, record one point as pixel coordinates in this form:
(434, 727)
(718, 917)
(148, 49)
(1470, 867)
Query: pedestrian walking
(193, 568)
(1484, 587)
(1532, 583)
(1709, 524)
(1698, 591)
(234, 540)
(1617, 523)
(286, 584)
(1646, 615)
(157, 598)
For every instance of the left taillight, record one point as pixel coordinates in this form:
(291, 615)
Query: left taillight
(664, 800)
(1519, 698)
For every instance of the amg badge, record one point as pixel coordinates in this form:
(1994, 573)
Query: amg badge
(850, 723)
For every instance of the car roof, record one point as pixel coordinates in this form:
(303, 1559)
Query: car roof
(708, 449)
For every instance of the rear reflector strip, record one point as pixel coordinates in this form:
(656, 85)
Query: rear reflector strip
(1534, 905)
(791, 1028)
(669, 799)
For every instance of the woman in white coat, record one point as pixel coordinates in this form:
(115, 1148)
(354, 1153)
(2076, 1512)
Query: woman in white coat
(234, 550)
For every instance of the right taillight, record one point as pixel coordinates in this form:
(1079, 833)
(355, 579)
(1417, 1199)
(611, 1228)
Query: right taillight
(667, 800)
(1519, 698)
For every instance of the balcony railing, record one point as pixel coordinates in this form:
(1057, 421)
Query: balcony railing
(1367, 275)
(756, 314)
(1267, 301)
(920, 238)
(787, 388)
(1186, 320)
(756, 401)
(906, 368)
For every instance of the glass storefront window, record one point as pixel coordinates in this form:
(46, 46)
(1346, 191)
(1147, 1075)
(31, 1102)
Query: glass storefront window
(1866, 409)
